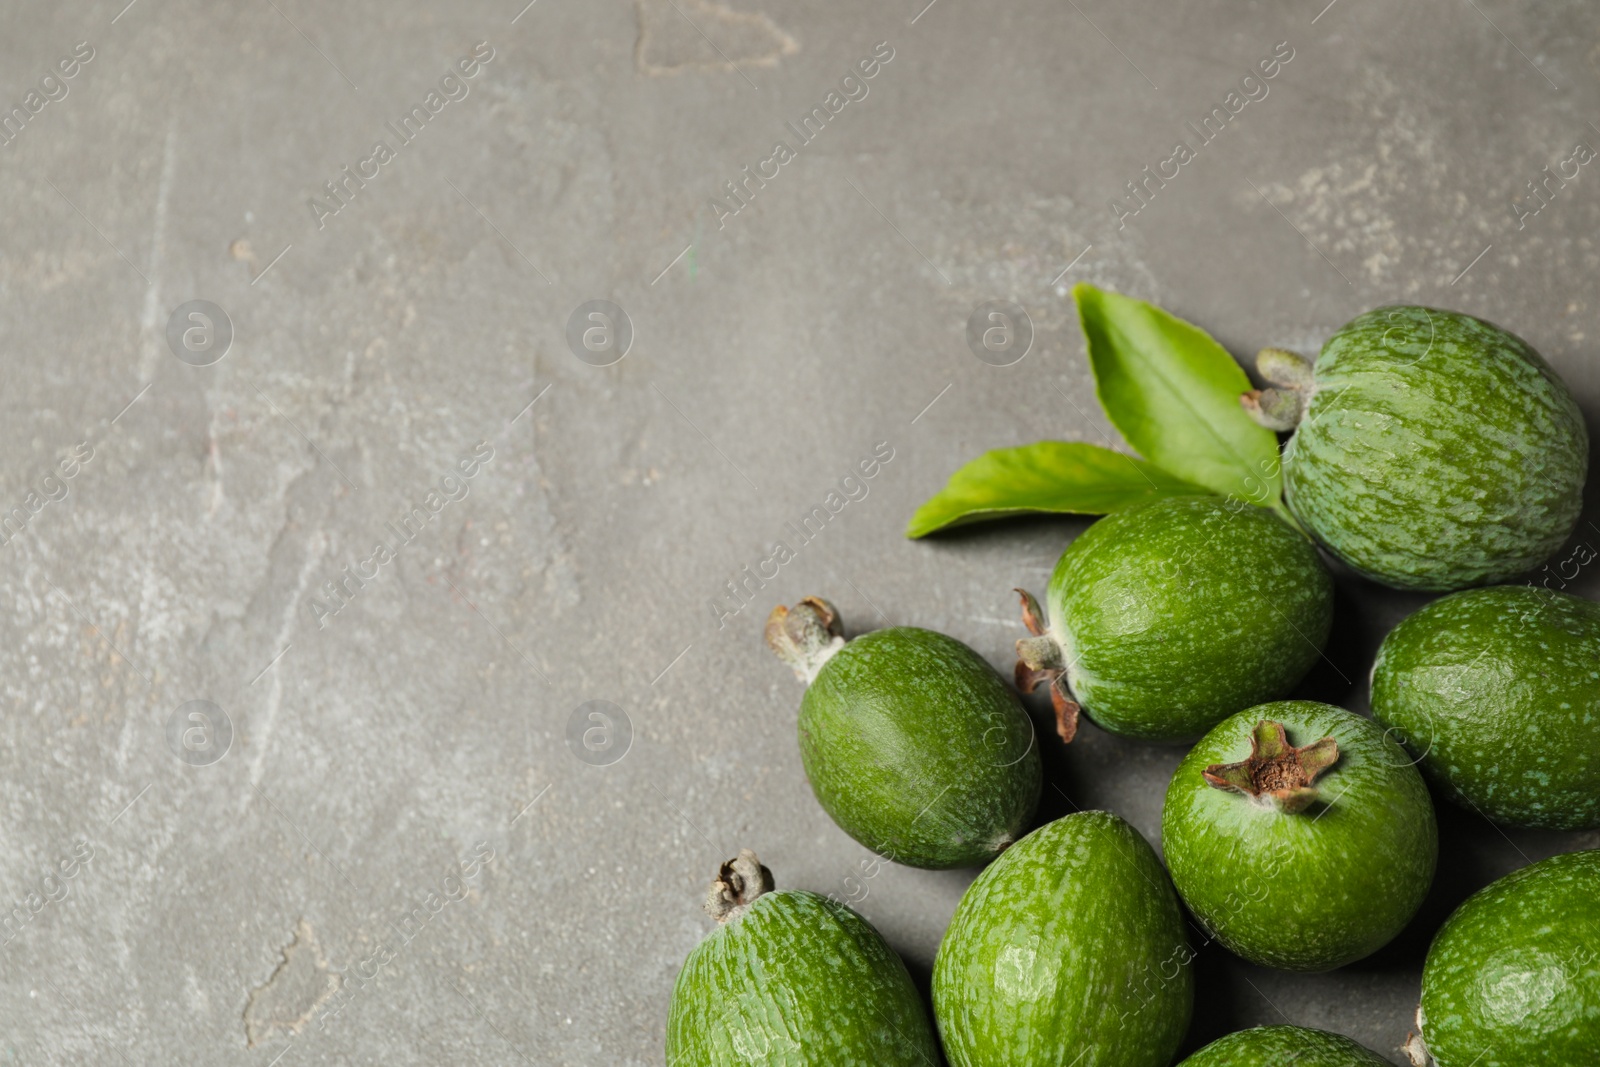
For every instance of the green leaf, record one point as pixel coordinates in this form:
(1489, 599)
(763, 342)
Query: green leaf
(1064, 477)
(1173, 393)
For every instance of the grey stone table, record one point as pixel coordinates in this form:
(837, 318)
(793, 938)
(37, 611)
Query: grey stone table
(309, 587)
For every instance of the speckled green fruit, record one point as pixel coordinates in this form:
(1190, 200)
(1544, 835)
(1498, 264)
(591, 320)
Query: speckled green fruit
(1166, 618)
(1437, 451)
(793, 979)
(1284, 1046)
(912, 742)
(1513, 977)
(1068, 949)
(1295, 851)
(1498, 692)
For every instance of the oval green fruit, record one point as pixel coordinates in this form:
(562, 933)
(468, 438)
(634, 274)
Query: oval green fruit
(1300, 835)
(1497, 691)
(794, 979)
(1437, 451)
(1284, 1046)
(913, 744)
(1167, 617)
(1068, 949)
(1513, 977)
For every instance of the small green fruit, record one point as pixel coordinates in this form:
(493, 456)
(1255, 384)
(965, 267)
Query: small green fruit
(1513, 977)
(1068, 949)
(1436, 450)
(1303, 858)
(1166, 618)
(1497, 691)
(913, 744)
(794, 979)
(1284, 1046)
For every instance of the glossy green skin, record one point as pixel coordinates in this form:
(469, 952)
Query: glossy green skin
(1284, 1046)
(918, 749)
(1068, 949)
(798, 981)
(1438, 451)
(1513, 977)
(1498, 691)
(1175, 614)
(1309, 890)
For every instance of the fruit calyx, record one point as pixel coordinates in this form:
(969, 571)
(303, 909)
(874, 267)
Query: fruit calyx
(805, 636)
(1280, 409)
(1414, 1048)
(738, 883)
(1276, 773)
(1041, 659)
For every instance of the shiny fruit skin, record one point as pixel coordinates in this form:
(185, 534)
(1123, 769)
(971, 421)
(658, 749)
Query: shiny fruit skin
(1438, 451)
(919, 750)
(1068, 949)
(797, 981)
(1497, 691)
(1284, 1046)
(1513, 977)
(1308, 890)
(1175, 614)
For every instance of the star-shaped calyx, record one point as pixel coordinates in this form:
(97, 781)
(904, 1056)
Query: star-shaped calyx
(1277, 773)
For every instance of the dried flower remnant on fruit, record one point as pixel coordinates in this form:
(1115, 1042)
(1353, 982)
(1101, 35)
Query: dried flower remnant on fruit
(738, 883)
(1276, 773)
(1039, 660)
(805, 636)
(1280, 409)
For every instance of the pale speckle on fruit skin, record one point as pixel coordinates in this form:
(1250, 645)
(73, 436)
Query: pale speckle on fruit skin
(1234, 607)
(1495, 690)
(1438, 451)
(797, 981)
(1277, 1046)
(1111, 985)
(1315, 889)
(1513, 977)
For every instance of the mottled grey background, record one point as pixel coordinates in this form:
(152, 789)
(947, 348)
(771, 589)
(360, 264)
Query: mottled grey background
(273, 895)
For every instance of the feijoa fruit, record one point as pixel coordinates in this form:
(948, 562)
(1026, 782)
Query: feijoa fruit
(1300, 835)
(1167, 617)
(795, 979)
(913, 744)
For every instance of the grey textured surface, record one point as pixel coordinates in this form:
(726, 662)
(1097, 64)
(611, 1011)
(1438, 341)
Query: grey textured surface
(274, 893)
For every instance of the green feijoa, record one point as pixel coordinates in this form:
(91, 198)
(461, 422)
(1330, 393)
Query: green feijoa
(1284, 1046)
(1513, 977)
(1497, 692)
(1300, 835)
(1167, 617)
(1068, 949)
(1433, 451)
(793, 979)
(913, 744)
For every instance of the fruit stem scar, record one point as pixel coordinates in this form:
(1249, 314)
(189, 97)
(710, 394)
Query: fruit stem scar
(805, 636)
(1039, 660)
(1276, 773)
(738, 883)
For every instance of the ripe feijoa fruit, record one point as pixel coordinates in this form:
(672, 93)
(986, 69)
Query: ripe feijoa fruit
(792, 978)
(1300, 835)
(1278, 1046)
(913, 744)
(1433, 451)
(1513, 977)
(1167, 617)
(1069, 948)
(1497, 691)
